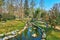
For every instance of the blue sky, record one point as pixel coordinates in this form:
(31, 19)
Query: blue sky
(49, 3)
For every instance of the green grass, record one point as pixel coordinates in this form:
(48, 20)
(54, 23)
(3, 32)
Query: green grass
(18, 25)
(11, 26)
(53, 35)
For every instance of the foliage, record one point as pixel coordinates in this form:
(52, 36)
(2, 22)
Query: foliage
(1, 2)
(26, 8)
(51, 33)
(27, 13)
(0, 17)
(55, 13)
(6, 17)
(36, 13)
(43, 13)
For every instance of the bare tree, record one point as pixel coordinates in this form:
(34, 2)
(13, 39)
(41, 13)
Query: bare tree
(21, 9)
(26, 8)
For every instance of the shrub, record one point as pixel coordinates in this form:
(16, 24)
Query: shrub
(7, 17)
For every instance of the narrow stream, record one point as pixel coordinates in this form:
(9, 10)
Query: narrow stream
(32, 33)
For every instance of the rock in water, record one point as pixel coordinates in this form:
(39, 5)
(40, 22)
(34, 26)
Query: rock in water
(34, 35)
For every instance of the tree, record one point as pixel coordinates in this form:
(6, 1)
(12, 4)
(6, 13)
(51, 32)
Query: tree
(21, 9)
(54, 15)
(52, 19)
(42, 8)
(26, 8)
(0, 17)
(32, 4)
(1, 3)
(11, 9)
(36, 13)
(41, 4)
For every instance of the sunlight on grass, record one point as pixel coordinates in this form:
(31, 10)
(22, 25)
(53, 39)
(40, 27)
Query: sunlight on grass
(10, 26)
(54, 35)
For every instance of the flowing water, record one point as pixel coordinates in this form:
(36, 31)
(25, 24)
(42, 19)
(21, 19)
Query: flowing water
(32, 33)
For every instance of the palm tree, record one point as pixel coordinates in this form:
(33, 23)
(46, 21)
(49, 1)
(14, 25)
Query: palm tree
(35, 14)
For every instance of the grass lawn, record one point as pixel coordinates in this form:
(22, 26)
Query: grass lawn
(53, 35)
(10, 26)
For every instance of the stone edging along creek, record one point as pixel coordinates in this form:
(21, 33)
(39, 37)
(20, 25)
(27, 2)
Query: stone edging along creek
(12, 34)
(9, 35)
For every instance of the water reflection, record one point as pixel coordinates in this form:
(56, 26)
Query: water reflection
(27, 34)
(30, 31)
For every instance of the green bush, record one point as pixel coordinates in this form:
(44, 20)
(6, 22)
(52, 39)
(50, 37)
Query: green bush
(0, 17)
(6, 16)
